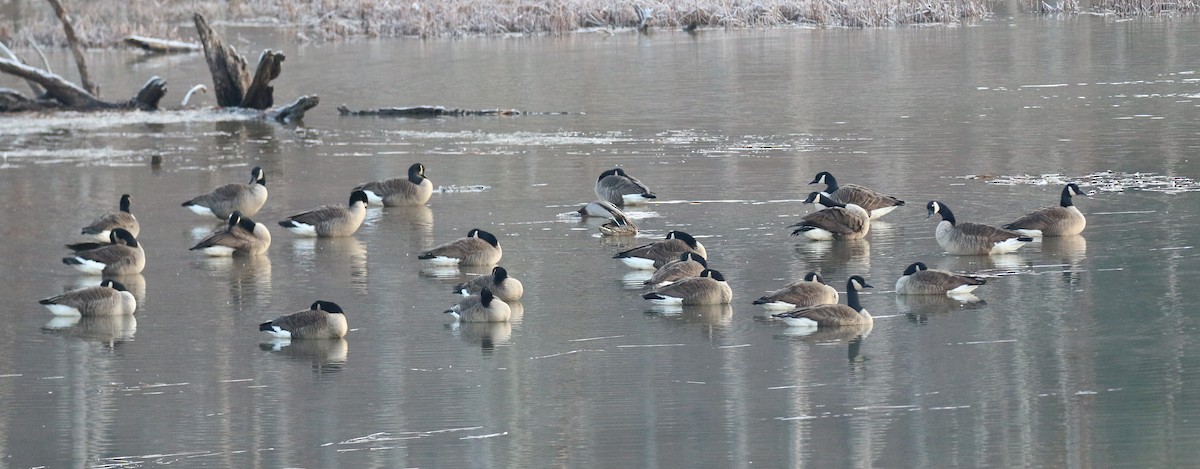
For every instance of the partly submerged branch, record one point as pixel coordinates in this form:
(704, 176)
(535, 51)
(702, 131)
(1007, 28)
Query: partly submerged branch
(69, 94)
(162, 46)
(435, 111)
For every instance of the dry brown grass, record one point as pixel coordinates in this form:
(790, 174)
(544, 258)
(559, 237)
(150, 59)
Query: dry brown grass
(103, 23)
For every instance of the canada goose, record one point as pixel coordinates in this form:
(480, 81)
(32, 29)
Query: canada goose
(247, 198)
(874, 202)
(621, 189)
(921, 280)
(972, 238)
(654, 255)
(1063, 220)
(809, 291)
(619, 226)
(689, 264)
(241, 236)
(123, 256)
(330, 221)
(400, 192)
(483, 307)
(102, 225)
(599, 209)
(322, 320)
(478, 248)
(837, 221)
(109, 299)
(850, 314)
(499, 282)
(707, 289)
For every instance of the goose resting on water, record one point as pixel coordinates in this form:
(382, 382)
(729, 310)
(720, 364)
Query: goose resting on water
(1063, 220)
(972, 238)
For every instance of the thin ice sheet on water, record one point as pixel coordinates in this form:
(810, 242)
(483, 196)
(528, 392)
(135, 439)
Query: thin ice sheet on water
(1103, 181)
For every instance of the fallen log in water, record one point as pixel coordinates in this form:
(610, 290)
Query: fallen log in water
(62, 94)
(161, 46)
(435, 111)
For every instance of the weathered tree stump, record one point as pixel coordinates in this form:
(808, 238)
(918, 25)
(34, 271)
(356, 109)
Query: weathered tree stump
(227, 67)
(232, 85)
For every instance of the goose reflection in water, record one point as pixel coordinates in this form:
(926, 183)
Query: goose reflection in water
(710, 315)
(836, 258)
(343, 257)
(852, 336)
(323, 354)
(918, 308)
(112, 329)
(488, 334)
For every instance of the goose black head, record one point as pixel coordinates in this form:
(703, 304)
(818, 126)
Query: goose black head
(258, 176)
(814, 277)
(124, 236)
(358, 196)
(857, 283)
(611, 172)
(915, 267)
(686, 238)
(824, 177)
(713, 275)
(247, 224)
(478, 233)
(416, 173)
(113, 284)
(693, 256)
(485, 297)
(1069, 191)
(499, 274)
(235, 217)
(326, 306)
(124, 203)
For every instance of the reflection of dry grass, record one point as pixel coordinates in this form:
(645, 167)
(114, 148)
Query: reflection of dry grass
(105, 23)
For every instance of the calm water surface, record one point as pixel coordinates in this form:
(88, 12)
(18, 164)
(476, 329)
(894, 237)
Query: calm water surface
(1082, 352)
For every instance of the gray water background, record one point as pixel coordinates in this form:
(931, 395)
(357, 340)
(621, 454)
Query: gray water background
(1082, 352)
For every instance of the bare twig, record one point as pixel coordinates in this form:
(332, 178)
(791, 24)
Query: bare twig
(84, 77)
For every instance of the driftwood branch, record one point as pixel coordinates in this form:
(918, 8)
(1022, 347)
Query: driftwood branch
(438, 111)
(430, 111)
(84, 77)
(227, 67)
(70, 94)
(162, 46)
(294, 112)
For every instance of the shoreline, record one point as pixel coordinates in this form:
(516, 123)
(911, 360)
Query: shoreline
(32, 23)
(25, 23)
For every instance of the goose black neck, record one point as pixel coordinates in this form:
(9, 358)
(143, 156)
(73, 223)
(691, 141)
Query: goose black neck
(946, 214)
(852, 296)
(830, 184)
(1066, 201)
